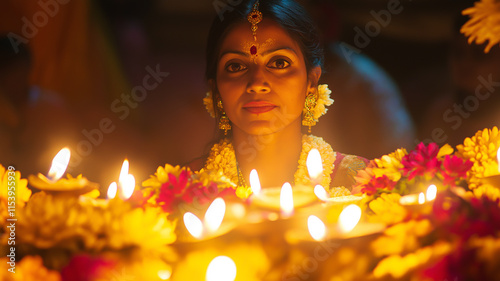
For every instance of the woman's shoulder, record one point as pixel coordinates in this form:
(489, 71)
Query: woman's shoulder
(346, 168)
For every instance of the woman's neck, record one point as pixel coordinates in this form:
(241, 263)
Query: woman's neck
(275, 156)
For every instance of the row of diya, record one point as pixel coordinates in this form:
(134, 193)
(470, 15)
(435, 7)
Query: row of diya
(284, 210)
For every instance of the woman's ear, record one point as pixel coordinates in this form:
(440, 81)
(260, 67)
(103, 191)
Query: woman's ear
(314, 76)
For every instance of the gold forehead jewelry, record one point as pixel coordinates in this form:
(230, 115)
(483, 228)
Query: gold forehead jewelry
(254, 17)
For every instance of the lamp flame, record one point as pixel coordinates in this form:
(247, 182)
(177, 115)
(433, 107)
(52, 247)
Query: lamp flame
(59, 164)
(215, 214)
(123, 171)
(112, 189)
(193, 224)
(349, 218)
(255, 182)
(316, 227)
(321, 192)
(431, 192)
(421, 198)
(286, 199)
(314, 164)
(164, 274)
(127, 186)
(221, 268)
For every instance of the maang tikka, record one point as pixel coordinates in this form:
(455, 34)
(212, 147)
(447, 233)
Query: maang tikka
(254, 17)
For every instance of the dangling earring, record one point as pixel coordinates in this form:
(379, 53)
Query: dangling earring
(309, 106)
(223, 121)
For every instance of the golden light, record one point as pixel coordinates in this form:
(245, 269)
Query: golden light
(193, 225)
(286, 199)
(498, 159)
(59, 164)
(316, 227)
(164, 274)
(112, 189)
(215, 214)
(320, 192)
(431, 192)
(221, 268)
(421, 198)
(255, 182)
(349, 218)
(123, 171)
(127, 187)
(314, 164)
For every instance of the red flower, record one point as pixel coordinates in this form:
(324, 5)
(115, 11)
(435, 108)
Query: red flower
(85, 268)
(455, 168)
(423, 160)
(377, 183)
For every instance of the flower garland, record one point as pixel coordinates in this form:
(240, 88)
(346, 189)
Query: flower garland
(320, 109)
(222, 158)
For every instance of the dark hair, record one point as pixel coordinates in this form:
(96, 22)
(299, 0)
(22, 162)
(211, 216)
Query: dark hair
(290, 15)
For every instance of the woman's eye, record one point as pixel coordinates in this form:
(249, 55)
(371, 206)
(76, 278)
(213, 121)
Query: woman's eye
(235, 67)
(279, 64)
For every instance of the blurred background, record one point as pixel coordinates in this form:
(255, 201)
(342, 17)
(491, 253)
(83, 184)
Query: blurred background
(116, 79)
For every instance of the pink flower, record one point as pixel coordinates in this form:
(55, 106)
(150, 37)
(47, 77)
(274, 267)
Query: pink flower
(455, 168)
(86, 268)
(377, 183)
(421, 161)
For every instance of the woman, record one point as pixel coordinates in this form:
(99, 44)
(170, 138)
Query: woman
(263, 66)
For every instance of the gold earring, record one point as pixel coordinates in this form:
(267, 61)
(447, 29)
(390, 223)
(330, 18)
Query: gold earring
(223, 121)
(309, 106)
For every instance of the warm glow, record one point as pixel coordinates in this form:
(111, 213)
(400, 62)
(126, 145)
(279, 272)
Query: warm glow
(286, 199)
(221, 268)
(123, 171)
(254, 182)
(59, 164)
(498, 159)
(314, 164)
(431, 193)
(215, 214)
(164, 274)
(349, 217)
(127, 186)
(193, 224)
(320, 192)
(421, 198)
(112, 189)
(316, 228)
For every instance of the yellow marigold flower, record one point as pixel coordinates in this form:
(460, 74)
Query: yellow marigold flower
(323, 101)
(487, 190)
(484, 24)
(339, 191)
(387, 209)
(161, 175)
(390, 165)
(481, 150)
(397, 266)
(209, 104)
(251, 262)
(401, 238)
(22, 192)
(30, 268)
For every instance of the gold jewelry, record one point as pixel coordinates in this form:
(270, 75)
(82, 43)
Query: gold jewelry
(309, 106)
(254, 17)
(223, 121)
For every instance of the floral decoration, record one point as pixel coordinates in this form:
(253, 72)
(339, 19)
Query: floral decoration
(484, 23)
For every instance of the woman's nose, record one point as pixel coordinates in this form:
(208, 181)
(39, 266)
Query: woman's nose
(258, 83)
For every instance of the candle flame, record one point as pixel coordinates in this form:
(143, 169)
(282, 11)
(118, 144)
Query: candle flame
(127, 187)
(314, 164)
(221, 268)
(349, 218)
(112, 189)
(421, 198)
(215, 214)
(320, 192)
(59, 164)
(193, 224)
(255, 182)
(286, 199)
(123, 171)
(431, 192)
(164, 274)
(316, 227)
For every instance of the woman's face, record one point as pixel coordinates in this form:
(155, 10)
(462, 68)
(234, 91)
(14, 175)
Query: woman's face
(262, 93)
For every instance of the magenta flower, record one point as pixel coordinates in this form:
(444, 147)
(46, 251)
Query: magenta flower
(455, 168)
(421, 161)
(377, 183)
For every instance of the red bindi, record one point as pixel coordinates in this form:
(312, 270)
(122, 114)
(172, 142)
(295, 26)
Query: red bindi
(253, 50)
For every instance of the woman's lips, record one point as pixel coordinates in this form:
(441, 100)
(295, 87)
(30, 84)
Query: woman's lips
(258, 107)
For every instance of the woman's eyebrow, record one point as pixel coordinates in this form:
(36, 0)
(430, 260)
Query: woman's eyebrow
(278, 49)
(234, 52)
